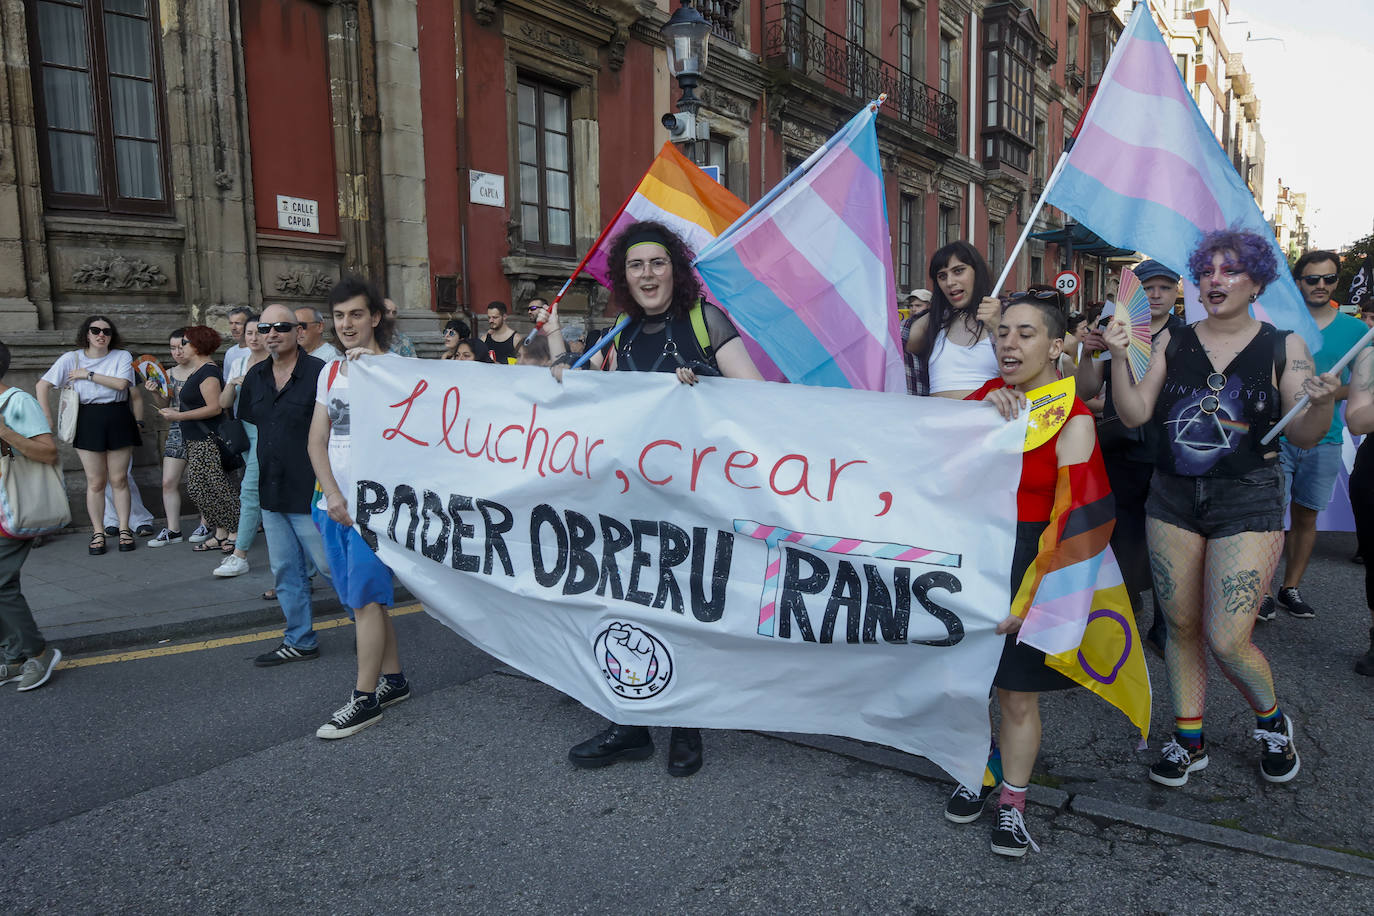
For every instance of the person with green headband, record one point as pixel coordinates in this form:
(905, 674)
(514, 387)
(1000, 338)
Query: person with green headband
(672, 329)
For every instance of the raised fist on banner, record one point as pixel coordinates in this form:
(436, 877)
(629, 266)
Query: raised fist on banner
(632, 651)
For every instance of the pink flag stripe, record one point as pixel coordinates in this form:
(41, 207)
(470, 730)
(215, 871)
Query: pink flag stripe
(850, 188)
(1144, 66)
(1118, 166)
(855, 351)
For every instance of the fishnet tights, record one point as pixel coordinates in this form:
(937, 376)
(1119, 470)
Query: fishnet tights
(1211, 589)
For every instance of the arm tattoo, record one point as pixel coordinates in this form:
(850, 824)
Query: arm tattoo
(1164, 575)
(1301, 365)
(1241, 591)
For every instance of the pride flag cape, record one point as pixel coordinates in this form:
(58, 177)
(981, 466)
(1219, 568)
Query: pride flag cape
(808, 270)
(1146, 172)
(1074, 602)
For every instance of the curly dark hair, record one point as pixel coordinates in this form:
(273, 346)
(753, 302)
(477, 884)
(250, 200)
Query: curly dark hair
(83, 339)
(942, 313)
(1253, 252)
(351, 286)
(686, 286)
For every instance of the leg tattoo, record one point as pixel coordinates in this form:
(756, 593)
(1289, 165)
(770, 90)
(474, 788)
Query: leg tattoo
(1241, 591)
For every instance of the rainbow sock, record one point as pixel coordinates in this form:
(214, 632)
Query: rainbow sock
(1014, 796)
(992, 773)
(1189, 731)
(1270, 720)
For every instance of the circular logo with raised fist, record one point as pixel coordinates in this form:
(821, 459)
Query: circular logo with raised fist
(634, 662)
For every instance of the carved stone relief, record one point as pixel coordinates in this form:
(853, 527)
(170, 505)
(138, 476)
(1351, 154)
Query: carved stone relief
(303, 281)
(118, 272)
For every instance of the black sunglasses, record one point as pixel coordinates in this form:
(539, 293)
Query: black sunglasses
(1314, 279)
(1211, 403)
(103, 332)
(1036, 294)
(281, 327)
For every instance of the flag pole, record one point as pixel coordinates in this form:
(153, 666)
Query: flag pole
(1302, 401)
(1030, 223)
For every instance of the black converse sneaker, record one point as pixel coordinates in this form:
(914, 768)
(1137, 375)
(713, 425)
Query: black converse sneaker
(1267, 611)
(1176, 763)
(1278, 757)
(388, 694)
(965, 806)
(1292, 602)
(283, 654)
(1011, 837)
(351, 718)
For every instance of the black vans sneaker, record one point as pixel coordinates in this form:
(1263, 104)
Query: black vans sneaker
(1011, 837)
(965, 806)
(351, 718)
(1176, 763)
(1278, 757)
(1292, 603)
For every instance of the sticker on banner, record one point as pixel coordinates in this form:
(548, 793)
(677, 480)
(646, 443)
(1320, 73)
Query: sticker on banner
(635, 663)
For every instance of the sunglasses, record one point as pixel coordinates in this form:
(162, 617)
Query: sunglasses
(1314, 279)
(1046, 294)
(450, 332)
(281, 327)
(103, 332)
(1211, 403)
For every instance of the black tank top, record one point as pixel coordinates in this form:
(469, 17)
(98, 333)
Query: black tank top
(655, 345)
(1212, 422)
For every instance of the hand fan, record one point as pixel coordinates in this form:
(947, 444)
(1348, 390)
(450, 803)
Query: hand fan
(147, 368)
(1133, 310)
(1049, 407)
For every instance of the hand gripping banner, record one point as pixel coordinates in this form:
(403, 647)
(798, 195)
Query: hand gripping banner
(734, 554)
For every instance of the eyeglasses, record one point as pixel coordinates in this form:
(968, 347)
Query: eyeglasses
(1314, 279)
(450, 332)
(281, 327)
(103, 332)
(656, 265)
(1211, 403)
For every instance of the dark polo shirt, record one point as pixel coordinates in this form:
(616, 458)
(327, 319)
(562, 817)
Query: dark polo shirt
(285, 478)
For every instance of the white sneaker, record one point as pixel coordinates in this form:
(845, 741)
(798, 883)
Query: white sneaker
(165, 537)
(232, 566)
(200, 535)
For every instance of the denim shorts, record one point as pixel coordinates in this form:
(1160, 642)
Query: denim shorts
(358, 576)
(1218, 507)
(1309, 474)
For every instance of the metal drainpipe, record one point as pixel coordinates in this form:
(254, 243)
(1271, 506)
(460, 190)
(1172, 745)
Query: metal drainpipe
(460, 81)
(370, 126)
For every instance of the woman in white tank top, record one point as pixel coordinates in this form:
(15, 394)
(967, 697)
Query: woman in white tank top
(953, 339)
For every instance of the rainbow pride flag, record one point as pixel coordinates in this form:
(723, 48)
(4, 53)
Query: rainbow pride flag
(1146, 172)
(1073, 599)
(808, 270)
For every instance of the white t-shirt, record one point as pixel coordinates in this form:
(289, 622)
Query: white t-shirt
(231, 356)
(326, 351)
(115, 364)
(335, 398)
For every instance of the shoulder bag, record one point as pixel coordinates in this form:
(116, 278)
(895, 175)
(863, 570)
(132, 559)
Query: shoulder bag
(33, 499)
(68, 405)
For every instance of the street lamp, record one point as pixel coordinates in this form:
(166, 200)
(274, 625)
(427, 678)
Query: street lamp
(685, 38)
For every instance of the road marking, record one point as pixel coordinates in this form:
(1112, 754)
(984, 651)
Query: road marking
(261, 636)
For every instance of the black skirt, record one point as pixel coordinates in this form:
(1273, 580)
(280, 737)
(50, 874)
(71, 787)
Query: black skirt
(106, 427)
(1023, 667)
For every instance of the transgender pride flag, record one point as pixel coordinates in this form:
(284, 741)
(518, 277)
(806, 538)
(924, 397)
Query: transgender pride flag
(1146, 172)
(808, 271)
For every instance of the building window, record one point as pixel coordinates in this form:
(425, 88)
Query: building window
(856, 27)
(1037, 270)
(910, 242)
(1042, 15)
(546, 198)
(1009, 56)
(997, 244)
(1041, 151)
(98, 75)
(949, 224)
(913, 41)
(1103, 31)
(1182, 61)
(718, 154)
(1071, 40)
(946, 63)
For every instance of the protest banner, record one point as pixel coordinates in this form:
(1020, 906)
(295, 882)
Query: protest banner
(734, 554)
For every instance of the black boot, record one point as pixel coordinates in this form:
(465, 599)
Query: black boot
(684, 752)
(1365, 665)
(619, 742)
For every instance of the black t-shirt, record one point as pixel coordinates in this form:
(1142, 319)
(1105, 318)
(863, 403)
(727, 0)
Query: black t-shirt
(193, 399)
(643, 346)
(285, 476)
(504, 349)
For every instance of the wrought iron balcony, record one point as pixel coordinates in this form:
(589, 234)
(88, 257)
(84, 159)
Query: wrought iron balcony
(800, 44)
(1049, 51)
(1074, 74)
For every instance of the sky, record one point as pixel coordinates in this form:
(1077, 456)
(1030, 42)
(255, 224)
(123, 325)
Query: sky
(1316, 92)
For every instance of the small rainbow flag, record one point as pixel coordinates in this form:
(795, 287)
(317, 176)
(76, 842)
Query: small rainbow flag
(1074, 602)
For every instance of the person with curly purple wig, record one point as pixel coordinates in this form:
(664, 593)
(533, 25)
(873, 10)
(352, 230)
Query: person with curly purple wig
(1214, 516)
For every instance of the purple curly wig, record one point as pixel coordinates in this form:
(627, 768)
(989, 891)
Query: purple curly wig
(1254, 253)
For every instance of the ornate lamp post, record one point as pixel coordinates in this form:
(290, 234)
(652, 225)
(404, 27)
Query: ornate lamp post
(685, 37)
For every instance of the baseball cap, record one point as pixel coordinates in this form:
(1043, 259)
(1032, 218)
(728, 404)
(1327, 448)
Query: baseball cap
(1150, 268)
(922, 294)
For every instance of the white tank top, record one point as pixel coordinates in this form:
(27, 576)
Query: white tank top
(956, 368)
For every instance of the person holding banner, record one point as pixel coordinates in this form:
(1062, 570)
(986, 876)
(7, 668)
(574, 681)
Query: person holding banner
(1214, 514)
(1030, 340)
(363, 582)
(949, 349)
(672, 329)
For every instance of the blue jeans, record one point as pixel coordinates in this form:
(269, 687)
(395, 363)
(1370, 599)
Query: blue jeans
(250, 513)
(1309, 474)
(293, 544)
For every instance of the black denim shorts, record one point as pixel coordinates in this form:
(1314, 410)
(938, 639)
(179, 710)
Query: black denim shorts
(1218, 507)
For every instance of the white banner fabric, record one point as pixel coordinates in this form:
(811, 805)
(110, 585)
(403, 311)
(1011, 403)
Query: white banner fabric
(740, 555)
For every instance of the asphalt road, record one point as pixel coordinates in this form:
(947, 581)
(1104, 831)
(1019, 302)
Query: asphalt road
(192, 783)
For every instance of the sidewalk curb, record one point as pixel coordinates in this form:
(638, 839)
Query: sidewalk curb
(1098, 809)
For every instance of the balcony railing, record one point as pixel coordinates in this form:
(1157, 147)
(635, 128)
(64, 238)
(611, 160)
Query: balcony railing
(721, 15)
(801, 44)
(1074, 74)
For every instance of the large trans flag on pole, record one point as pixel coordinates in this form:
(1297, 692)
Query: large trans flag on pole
(807, 272)
(1146, 172)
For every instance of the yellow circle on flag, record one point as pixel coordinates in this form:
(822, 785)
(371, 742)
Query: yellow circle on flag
(1049, 407)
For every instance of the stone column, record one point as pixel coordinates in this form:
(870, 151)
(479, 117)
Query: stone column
(20, 213)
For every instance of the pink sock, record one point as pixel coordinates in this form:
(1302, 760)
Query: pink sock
(1014, 796)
